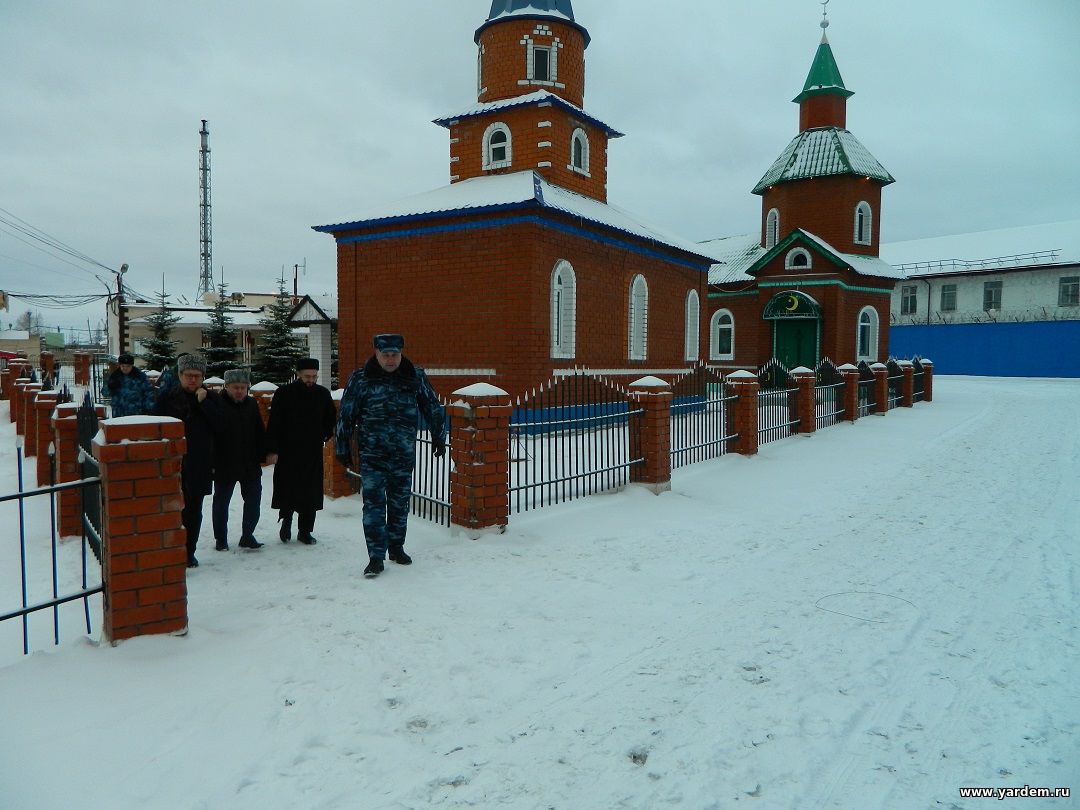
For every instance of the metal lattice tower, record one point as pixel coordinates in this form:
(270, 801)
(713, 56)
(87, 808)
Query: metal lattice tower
(206, 273)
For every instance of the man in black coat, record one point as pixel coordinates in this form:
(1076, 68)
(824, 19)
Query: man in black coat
(200, 411)
(239, 451)
(302, 419)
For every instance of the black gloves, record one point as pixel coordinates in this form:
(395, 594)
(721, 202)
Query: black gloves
(438, 449)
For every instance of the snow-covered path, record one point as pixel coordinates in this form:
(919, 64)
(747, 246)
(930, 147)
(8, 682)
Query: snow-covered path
(869, 618)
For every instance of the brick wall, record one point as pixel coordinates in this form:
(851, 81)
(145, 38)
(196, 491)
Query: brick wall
(825, 206)
(504, 55)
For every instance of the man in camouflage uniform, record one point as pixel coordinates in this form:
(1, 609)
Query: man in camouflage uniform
(382, 403)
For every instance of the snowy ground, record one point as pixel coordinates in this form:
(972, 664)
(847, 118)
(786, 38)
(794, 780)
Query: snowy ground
(869, 618)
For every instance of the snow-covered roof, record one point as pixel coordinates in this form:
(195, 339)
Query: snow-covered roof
(561, 10)
(515, 190)
(537, 97)
(1004, 248)
(823, 152)
(246, 319)
(315, 309)
(736, 256)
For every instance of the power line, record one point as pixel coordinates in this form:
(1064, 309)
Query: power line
(45, 238)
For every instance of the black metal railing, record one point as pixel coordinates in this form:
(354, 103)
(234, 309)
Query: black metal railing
(699, 423)
(33, 581)
(896, 383)
(919, 379)
(431, 481)
(828, 394)
(867, 390)
(778, 403)
(574, 436)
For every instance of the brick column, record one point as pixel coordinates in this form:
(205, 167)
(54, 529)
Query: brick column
(907, 387)
(144, 570)
(881, 388)
(214, 384)
(336, 482)
(66, 433)
(82, 368)
(5, 383)
(653, 439)
(851, 391)
(16, 399)
(48, 362)
(479, 449)
(928, 380)
(263, 394)
(744, 414)
(41, 416)
(24, 424)
(806, 411)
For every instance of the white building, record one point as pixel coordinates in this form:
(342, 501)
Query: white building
(1012, 275)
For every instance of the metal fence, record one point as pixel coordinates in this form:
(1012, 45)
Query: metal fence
(919, 379)
(867, 390)
(699, 423)
(778, 403)
(828, 394)
(572, 437)
(89, 573)
(896, 383)
(431, 481)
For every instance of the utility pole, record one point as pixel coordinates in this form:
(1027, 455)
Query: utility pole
(206, 273)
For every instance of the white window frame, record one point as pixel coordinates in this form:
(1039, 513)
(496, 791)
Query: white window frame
(563, 310)
(714, 335)
(872, 323)
(789, 260)
(692, 342)
(909, 299)
(1069, 291)
(488, 162)
(638, 319)
(582, 137)
(772, 228)
(866, 213)
(989, 289)
(530, 60)
(951, 288)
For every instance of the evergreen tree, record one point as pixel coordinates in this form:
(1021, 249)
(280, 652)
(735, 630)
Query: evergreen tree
(221, 352)
(159, 350)
(278, 348)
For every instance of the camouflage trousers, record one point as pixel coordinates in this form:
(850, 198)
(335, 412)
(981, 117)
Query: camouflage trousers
(387, 490)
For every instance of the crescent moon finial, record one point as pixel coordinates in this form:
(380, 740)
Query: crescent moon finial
(824, 14)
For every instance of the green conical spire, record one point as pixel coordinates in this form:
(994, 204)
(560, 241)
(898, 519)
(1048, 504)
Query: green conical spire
(824, 77)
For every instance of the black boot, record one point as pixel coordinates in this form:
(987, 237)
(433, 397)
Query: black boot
(306, 538)
(399, 556)
(285, 533)
(191, 561)
(223, 545)
(249, 542)
(374, 568)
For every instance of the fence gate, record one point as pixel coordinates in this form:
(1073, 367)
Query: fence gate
(828, 394)
(574, 436)
(778, 403)
(896, 383)
(867, 388)
(699, 423)
(919, 379)
(431, 480)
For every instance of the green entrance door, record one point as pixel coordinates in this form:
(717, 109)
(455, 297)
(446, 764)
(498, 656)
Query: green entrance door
(795, 342)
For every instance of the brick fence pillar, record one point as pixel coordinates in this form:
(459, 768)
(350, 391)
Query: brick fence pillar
(5, 383)
(48, 363)
(16, 399)
(81, 363)
(336, 481)
(144, 570)
(928, 380)
(66, 435)
(24, 424)
(850, 374)
(263, 394)
(907, 386)
(653, 440)
(744, 414)
(480, 450)
(806, 408)
(41, 416)
(881, 388)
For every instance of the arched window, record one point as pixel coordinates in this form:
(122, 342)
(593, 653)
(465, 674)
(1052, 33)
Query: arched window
(798, 259)
(638, 336)
(498, 147)
(868, 334)
(722, 336)
(772, 229)
(864, 223)
(693, 325)
(563, 310)
(579, 152)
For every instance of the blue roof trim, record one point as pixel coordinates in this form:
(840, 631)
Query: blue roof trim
(551, 99)
(531, 219)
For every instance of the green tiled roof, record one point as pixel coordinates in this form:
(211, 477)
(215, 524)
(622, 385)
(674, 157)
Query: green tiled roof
(824, 77)
(823, 152)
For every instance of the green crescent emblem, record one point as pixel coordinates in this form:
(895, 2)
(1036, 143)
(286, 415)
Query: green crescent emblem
(794, 303)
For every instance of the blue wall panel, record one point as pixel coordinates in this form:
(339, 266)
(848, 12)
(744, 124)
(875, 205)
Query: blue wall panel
(1039, 349)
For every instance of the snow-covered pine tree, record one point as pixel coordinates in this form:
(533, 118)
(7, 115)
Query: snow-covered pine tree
(221, 352)
(278, 348)
(159, 350)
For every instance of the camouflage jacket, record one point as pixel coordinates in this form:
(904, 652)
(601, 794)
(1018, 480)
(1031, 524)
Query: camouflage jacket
(130, 394)
(385, 410)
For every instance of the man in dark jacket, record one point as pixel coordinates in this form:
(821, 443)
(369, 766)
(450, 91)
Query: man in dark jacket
(383, 403)
(301, 422)
(239, 451)
(200, 411)
(129, 390)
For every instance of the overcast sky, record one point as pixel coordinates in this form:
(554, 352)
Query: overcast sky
(321, 110)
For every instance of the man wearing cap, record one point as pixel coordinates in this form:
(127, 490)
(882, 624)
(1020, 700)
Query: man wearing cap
(382, 404)
(128, 388)
(301, 421)
(200, 411)
(239, 451)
